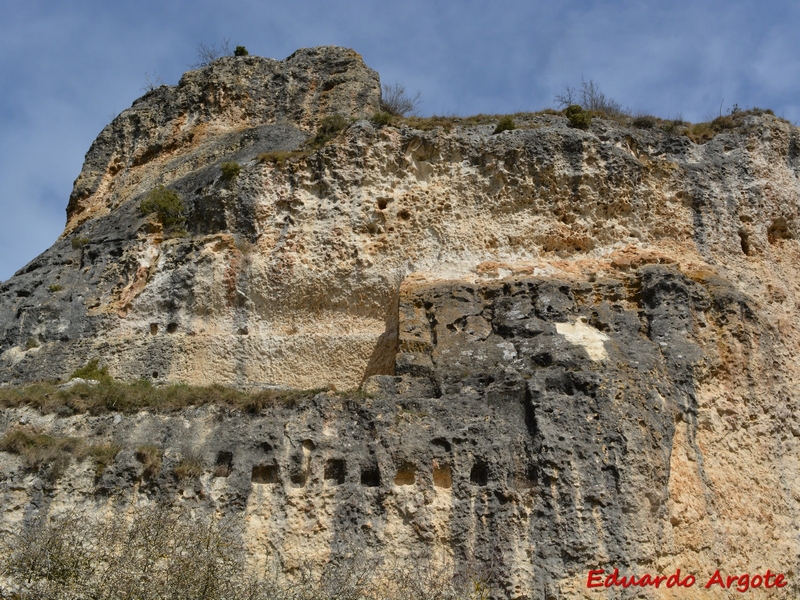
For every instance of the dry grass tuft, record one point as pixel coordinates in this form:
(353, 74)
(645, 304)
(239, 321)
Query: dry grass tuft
(51, 454)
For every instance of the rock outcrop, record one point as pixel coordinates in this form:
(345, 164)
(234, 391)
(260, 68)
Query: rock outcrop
(579, 347)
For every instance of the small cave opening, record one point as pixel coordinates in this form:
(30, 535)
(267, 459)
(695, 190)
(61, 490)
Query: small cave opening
(299, 468)
(529, 479)
(298, 476)
(779, 230)
(442, 443)
(172, 328)
(153, 328)
(744, 240)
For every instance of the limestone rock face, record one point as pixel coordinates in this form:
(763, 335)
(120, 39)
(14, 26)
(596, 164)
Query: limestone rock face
(211, 113)
(579, 347)
(544, 426)
(290, 271)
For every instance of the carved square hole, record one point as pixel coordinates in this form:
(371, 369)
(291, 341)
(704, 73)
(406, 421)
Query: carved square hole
(406, 474)
(370, 476)
(442, 477)
(479, 475)
(335, 471)
(224, 464)
(265, 474)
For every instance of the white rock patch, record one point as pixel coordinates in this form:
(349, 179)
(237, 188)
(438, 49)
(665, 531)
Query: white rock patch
(581, 333)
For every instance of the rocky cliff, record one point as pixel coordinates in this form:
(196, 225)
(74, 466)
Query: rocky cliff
(577, 349)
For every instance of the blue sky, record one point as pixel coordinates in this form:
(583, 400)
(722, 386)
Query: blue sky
(68, 67)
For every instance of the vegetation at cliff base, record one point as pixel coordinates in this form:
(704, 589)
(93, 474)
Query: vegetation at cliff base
(157, 551)
(130, 397)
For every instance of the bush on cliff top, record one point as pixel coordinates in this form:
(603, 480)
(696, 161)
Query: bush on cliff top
(578, 118)
(396, 101)
(505, 124)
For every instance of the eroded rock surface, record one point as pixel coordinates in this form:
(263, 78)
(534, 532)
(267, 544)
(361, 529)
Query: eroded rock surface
(290, 271)
(580, 347)
(544, 426)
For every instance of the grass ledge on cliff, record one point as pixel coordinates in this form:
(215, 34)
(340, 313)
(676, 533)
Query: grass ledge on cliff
(96, 397)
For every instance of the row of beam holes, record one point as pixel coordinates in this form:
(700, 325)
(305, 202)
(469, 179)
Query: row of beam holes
(171, 328)
(336, 470)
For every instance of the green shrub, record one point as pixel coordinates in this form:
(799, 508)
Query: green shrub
(382, 118)
(328, 128)
(80, 242)
(241, 51)
(430, 123)
(56, 287)
(279, 157)
(504, 124)
(578, 118)
(167, 206)
(92, 370)
(230, 170)
(31, 343)
(141, 395)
